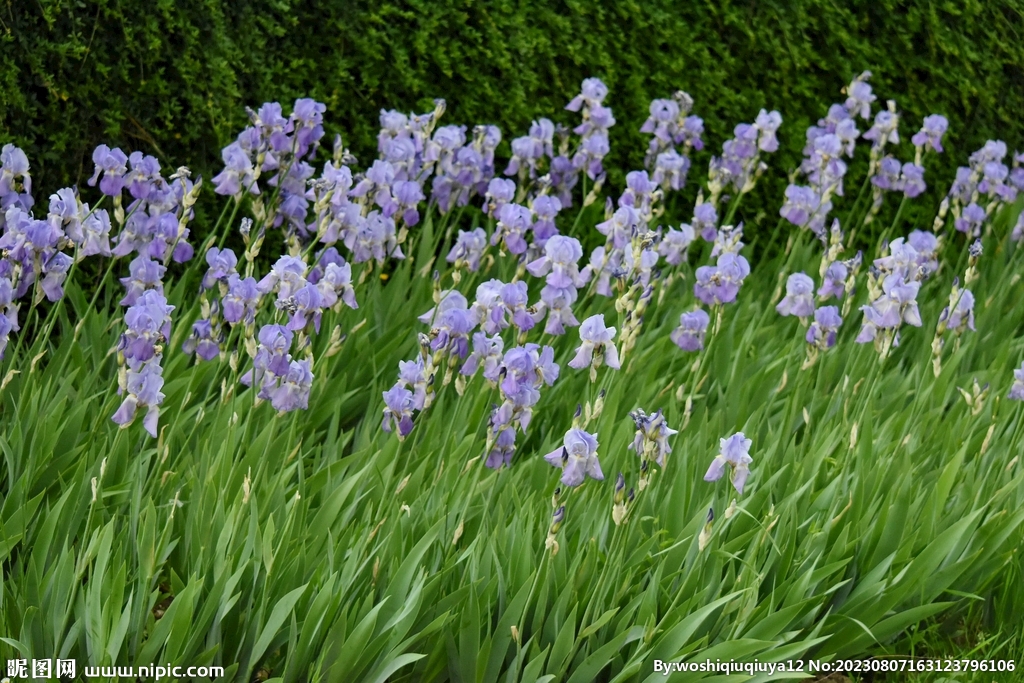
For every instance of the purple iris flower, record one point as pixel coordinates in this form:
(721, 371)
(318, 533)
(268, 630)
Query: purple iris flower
(15, 181)
(307, 118)
(525, 369)
(663, 116)
(898, 303)
(500, 192)
(592, 93)
(374, 239)
(912, 180)
(453, 328)
(240, 303)
(504, 447)
(559, 263)
(149, 324)
(693, 325)
(859, 96)
(834, 282)
(970, 220)
(932, 130)
(1017, 389)
(514, 221)
(604, 266)
(407, 195)
(486, 354)
(305, 307)
(597, 338)
(6, 327)
(734, 451)
(888, 176)
(238, 174)
(822, 332)
(489, 307)
(450, 298)
(619, 228)
(112, 164)
(291, 391)
(514, 298)
(144, 275)
(869, 328)
(962, 315)
(557, 303)
(528, 366)
(143, 386)
(272, 359)
(651, 438)
(799, 299)
(577, 458)
(902, 259)
(469, 248)
(1017, 234)
(138, 235)
(597, 119)
(398, 406)
(96, 234)
(719, 284)
(525, 153)
(926, 245)
(65, 214)
(992, 183)
(144, 177)
(546, 208)
(801, 204)
(638, 191)
(705, 221)
(884, 130)
(336, 286)
(222, 264)
(27, 239)
(286, 277)
(54, 272)
(670, 170)
(691, 131)
(413, 374)
(674, 245)
(204, 340)
(767, 124)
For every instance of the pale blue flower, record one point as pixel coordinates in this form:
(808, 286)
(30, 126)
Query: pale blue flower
(735, 453)
(577, 458)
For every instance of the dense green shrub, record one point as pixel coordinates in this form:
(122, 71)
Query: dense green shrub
(173, 77)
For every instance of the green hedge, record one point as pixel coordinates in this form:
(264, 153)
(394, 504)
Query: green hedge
(172, 77)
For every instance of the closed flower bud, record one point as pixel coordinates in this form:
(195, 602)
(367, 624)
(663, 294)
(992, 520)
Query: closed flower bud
(556, 520)
(620, 489)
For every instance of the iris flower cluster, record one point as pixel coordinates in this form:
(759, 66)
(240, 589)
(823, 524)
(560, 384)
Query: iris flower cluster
(650, 442)
(34, 252)
(139, 356)
(671, 125)
(982, 186)
(593, 132)
(281, 379)
(894, 302)
(835, 136)
(740, 165)
(155, 223)
(15, 181)
(559, 266)
(279, 145)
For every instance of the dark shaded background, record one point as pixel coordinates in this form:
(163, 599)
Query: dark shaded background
(172, 77)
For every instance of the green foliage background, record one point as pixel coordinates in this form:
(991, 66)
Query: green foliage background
(173, 76)
(342, 555)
